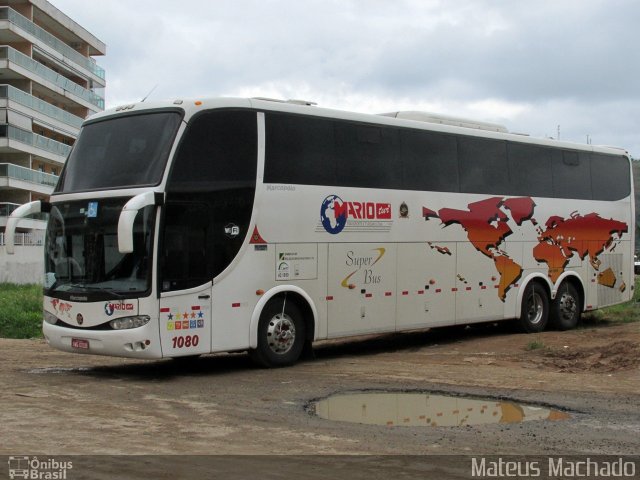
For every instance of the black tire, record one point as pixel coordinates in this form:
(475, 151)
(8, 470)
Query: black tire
(566, 307)
(281, 334)
(534, 313)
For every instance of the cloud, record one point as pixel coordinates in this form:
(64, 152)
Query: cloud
(530, 66)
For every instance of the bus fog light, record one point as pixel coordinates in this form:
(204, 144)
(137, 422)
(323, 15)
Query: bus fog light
(129, 322)
(50, 318)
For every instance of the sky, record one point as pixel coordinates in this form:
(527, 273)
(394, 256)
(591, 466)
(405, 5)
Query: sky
(539, 67)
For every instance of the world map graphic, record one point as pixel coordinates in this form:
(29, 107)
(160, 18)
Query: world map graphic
(487, 227)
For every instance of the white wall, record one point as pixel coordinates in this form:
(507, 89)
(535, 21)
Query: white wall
(25, 266)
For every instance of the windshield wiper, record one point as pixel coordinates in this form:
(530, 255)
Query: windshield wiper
(99, 289)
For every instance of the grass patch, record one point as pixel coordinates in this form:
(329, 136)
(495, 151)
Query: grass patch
(535, 345)
(623, 313)
(20, 311)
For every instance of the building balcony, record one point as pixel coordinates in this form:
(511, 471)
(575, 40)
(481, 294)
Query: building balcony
(6, 208)
(14, 139)
(31, 223)
(53, 114)
(67, 54)
(13, 176)
(37, 72)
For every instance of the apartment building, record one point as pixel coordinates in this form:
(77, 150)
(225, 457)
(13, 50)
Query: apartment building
(49, 82)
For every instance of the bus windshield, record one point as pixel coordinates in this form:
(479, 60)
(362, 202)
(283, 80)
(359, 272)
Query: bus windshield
(81, 251)
(124, 151)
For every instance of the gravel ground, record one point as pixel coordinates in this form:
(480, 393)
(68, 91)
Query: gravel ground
(55, 403)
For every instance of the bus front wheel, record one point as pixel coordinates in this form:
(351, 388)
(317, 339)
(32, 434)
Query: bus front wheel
(281, 334)
(534, 313)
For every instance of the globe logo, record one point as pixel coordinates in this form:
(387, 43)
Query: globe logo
(332, 223)
(108, 309)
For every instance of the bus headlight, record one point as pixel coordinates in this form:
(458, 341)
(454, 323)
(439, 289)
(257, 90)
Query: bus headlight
(50, 318)
(129, 322)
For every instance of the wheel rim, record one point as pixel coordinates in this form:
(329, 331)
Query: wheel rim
(535, 308)
(568, 306)
(281, 333)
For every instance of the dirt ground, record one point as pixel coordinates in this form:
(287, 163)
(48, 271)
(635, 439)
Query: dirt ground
(54, 403)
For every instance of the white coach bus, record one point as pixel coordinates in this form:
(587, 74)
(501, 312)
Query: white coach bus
(189, 227)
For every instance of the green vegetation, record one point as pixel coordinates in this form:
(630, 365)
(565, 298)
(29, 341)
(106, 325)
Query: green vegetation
(535, 345)
(624, 313)
(20, 311)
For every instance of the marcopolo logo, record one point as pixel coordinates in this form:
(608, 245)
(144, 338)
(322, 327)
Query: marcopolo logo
(109, 307)
(336, 213)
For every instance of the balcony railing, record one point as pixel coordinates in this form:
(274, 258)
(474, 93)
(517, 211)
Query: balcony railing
(27, 175)
(23, 98)
(6, 208)
(34, 140)
(13, 55)
(31, 239)
(27, 25)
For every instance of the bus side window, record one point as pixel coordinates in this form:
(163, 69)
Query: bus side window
(609, 177)
(212, 180)
(184, 259)
(429, 161)
(571, 175)
(529, 170)
(483, 165)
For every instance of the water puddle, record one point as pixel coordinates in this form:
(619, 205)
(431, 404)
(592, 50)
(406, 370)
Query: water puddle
(427, 410)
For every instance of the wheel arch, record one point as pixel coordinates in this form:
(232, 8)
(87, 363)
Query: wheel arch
(293, 293)
(533, 277)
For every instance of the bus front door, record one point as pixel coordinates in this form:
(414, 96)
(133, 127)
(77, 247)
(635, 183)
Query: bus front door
(185, 322)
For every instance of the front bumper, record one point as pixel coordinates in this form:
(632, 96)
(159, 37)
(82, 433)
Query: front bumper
(142, 342)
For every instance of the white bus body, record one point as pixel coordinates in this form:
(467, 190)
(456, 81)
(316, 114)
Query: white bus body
(325, 224)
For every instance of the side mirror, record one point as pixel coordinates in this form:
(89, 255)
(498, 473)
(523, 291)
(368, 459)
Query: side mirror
(128, 217)
(22, 211)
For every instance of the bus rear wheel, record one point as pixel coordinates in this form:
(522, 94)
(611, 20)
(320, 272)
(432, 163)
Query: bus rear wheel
(565, 309)
(281, 334)
(534, 313)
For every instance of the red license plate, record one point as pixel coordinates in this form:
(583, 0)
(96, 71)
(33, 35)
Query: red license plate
(80, 343)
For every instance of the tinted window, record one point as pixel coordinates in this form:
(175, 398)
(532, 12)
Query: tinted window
(529, 170)
(367, 156)
(120, 152)
(610, 177)
(483, 165)
(322, 151)
(184, 261)
(429, 161)
(217, 151)
(300, 150)
(571, 175)
(209, 197)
